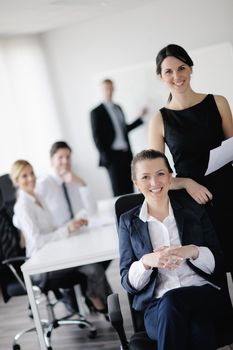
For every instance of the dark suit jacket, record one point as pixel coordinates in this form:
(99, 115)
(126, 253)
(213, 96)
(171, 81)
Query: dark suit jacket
(104, 133)
(194, 227)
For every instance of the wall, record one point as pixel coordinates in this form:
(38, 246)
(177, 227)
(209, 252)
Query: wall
(29, 117)
(138, 86)
(77, 55)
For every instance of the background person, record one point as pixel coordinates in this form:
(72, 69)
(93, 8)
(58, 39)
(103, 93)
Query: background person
(34, 219)
(171, 262)
(66, 193)
(110, 134)
(191, 124)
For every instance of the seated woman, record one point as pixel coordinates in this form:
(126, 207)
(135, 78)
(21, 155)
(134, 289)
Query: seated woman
(171, 262)
(34, 219)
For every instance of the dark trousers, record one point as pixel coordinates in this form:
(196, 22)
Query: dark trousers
(94, 284)
(120, 173)
(183, 318)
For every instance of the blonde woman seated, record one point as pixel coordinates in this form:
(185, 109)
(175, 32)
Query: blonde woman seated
(171, 262)
(33, 218)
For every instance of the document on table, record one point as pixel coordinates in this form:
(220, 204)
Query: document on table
(220, 156)
(102, 220)
(96, 222)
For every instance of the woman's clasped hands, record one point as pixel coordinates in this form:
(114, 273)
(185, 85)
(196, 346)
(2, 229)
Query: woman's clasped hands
(169, 257)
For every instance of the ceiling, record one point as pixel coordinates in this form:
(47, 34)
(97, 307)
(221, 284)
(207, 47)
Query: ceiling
(36, 16)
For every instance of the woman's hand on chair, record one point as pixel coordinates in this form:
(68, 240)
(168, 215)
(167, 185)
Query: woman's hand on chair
(199, 193)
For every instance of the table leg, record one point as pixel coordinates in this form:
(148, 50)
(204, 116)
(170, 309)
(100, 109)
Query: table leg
(35, 311)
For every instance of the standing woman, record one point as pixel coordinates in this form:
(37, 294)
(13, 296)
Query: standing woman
(191, 124)
(33, 218)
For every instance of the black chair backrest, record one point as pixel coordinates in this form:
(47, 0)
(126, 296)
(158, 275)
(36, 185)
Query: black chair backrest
(127, 202)
(9, 240)
(9, 235)
(8, 192)
(122, 205)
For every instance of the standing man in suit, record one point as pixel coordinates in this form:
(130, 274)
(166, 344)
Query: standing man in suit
(110, 133)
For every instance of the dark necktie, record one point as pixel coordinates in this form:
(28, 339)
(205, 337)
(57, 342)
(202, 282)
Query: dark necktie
(67, 200)
(119, 117)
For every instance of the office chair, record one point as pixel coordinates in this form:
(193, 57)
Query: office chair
(12, 285)
(8, 194)
(11, 279)
(139, 340)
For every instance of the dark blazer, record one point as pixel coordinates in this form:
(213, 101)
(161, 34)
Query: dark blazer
(104, 133)
(194, 227)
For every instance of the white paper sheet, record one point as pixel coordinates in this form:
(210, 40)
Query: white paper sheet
(220, 156)
(99, 221)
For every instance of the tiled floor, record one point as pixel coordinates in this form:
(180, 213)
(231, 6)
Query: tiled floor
(13, 317)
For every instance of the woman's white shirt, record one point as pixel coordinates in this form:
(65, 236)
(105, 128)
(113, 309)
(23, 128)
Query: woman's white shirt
(35, 222)
(165, 234)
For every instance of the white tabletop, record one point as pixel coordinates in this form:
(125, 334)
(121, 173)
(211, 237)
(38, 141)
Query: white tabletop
(91, 245)
(95, 243)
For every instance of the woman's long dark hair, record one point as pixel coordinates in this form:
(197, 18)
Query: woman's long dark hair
(174, 51)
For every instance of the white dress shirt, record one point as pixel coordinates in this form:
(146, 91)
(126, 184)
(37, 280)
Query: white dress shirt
(166, 234)
(50, 189)
(119, 143)
(35, 222)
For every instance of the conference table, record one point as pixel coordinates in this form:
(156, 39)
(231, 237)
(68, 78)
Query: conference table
(94, 243)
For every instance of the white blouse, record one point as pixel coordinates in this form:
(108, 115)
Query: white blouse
(35, 222)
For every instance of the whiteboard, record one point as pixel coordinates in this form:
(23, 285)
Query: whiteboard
(138, 85)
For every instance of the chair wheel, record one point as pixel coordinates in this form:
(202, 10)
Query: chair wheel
(82, 326)
(50, 348)
(92, 334)
(16, 347)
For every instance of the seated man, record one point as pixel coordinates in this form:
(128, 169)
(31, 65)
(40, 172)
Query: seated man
(65, 193)
(171, 262)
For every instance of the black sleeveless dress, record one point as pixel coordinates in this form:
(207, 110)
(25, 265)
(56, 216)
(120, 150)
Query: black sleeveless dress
(190, 134)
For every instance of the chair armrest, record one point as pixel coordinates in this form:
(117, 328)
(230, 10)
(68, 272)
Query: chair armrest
(15, 259)
(10, 264)
(116, 319)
